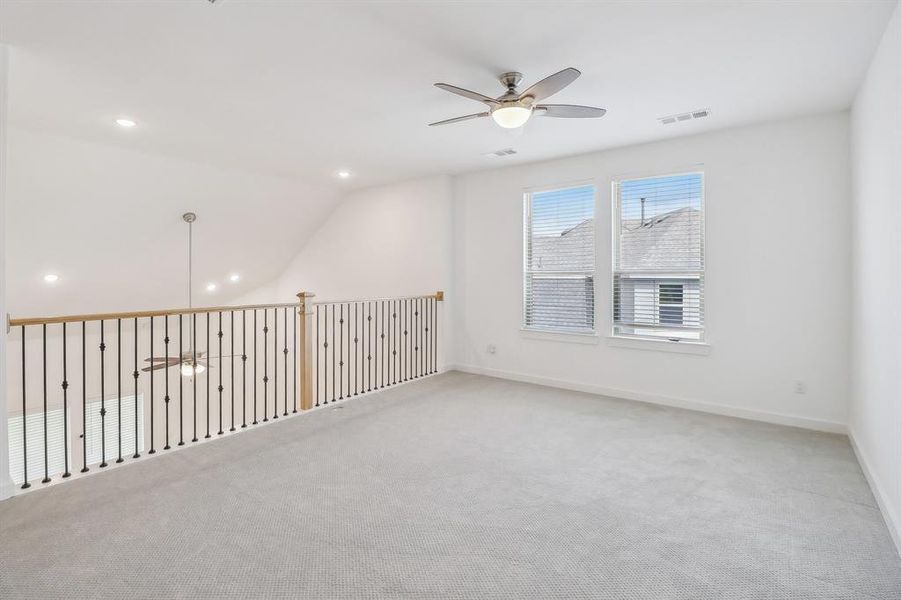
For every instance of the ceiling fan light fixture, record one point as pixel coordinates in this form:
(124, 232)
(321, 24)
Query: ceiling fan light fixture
(511, 116)
(189, 370)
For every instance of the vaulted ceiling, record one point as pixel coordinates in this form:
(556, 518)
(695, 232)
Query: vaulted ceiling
(246, 110)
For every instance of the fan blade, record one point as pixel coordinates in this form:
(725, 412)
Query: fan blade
(159, 366)
(570, 111)
(467, 94)
(171, 359)
(175, 363)
(459, 119)
(551, 85)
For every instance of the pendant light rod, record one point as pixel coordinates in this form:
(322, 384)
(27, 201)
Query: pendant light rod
(189, 218)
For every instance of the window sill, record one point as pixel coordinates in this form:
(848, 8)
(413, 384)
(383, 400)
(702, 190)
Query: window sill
(560, 336)
(620, 341)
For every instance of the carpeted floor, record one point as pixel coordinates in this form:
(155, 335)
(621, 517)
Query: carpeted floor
(461, 486)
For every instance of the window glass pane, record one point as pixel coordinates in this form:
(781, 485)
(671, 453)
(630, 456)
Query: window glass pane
(559, 259)
(659, 257)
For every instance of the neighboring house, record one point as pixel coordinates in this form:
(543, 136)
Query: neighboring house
(658, 282)
(659, 276)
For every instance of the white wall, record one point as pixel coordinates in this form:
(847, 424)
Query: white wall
(381, 242)
(875, 415)
(107, 220)
(5, 483)
(778, 272)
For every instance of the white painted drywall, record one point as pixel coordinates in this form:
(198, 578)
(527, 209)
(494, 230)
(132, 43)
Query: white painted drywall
(382, 242)
(875, 411)
(778, 272)
(5, 482)
(107, 219)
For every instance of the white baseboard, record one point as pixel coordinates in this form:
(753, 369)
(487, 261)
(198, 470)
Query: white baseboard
(892, 520)
(699, 405)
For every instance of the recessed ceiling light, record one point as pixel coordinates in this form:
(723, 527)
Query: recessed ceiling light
(123, 122)
(51, 277)
(234, 277)
(211, 287)
(343, 174)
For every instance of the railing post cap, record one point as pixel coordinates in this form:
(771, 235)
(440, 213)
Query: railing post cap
(439, 296)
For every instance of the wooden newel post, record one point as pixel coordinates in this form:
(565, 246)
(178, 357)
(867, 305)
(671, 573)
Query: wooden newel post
(305, 356)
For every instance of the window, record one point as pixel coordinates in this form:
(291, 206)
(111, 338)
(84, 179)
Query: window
(109, 427)
(56, 445)
(658, 262)
(559, 260)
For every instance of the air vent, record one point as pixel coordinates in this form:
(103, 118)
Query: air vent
(501, 153)
(688, 116)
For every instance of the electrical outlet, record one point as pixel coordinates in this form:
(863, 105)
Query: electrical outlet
(492, 349)
(800, 387)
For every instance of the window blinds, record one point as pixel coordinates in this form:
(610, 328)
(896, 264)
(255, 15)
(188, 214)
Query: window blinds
(56, 445)
(559, 261)
(107, 429)
(658, 266)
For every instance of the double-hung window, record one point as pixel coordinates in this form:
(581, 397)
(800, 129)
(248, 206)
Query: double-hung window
(559, 260)
(658, 258)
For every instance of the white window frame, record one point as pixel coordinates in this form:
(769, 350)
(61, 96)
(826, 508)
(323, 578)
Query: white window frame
(547, 333)
(626, 340)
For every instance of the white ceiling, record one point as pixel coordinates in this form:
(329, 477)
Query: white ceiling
(291, 92)
(302, 89)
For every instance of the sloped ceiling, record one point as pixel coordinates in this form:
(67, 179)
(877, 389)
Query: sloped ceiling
(246, 110)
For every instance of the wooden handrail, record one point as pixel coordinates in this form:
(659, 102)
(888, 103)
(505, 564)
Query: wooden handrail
(140, 314)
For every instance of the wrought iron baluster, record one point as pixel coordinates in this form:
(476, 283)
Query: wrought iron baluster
(221, 368)
(435, 326)
(65, 387)
(181, 387)
(369, 346)
(209, 357)
(102, 398)
(135, 374)
(406, 318)
(166, 399)
(46, 452)
(231, 336)
(255, 346)
(294, 354)
(317, 354)
(382, 308)
(25, 484)
(84, 397)
(243, 369)
(152, 400)
(265, 365)
(194, 374)
(275, 364)
(285, 354)
(341, 355)
(333, 353)
(119, 387)
(357, 363)
(392, 342)
(418, 329)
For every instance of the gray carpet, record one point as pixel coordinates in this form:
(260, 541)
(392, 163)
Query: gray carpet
(461, 486)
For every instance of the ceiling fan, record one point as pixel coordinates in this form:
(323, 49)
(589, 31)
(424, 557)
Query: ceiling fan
(189, 364)
(514, 108)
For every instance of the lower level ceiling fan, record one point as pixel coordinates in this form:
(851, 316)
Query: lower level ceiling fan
(514, 108)
(191, 363)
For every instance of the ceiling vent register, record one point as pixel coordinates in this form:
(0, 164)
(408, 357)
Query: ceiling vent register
(688, 116)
